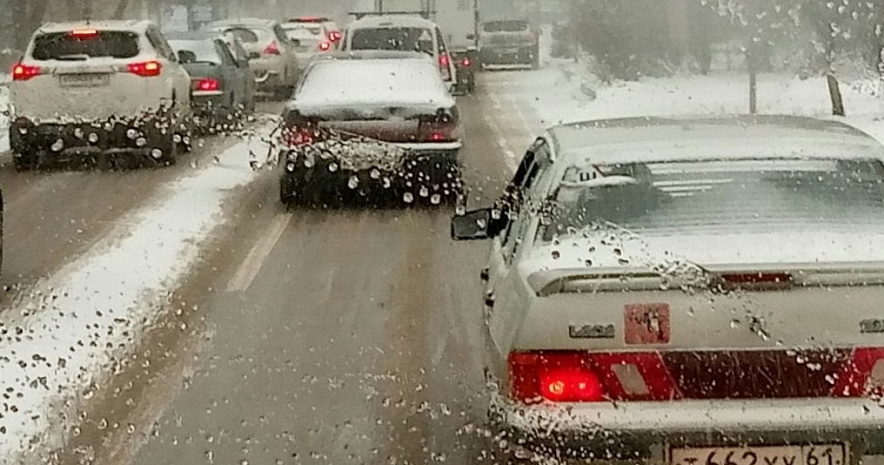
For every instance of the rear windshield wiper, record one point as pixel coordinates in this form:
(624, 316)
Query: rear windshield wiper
(73, 57)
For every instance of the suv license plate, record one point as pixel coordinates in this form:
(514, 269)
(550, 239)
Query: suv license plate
(85, 80)
(826, 454)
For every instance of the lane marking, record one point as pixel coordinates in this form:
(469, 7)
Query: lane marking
(524, 119)
(495, 102)
(510, 158)
(250, 267)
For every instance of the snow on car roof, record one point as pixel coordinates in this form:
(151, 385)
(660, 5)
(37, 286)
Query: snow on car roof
(368, 81)
(683, 138)
(392, 21)
(132, 25)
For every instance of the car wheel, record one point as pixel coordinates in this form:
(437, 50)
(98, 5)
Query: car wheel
(1, 231)
(286, 194)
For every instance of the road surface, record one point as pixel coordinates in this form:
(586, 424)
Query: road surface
(342, 336)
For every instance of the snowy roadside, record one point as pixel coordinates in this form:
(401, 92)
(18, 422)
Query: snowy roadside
(4, 112)
(566, 91)
(59, 343)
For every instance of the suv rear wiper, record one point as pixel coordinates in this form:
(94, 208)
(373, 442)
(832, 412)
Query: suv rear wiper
(73, 57)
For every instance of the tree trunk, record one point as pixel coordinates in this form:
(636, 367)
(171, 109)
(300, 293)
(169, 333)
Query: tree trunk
(87, 10)
(753, 91)
(881, 77)
(120, 11)
(752, 64)
(835, 95)
(38, 10)
(20, 24)
(679, 29)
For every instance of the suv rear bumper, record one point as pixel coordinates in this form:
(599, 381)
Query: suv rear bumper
(644, 430)
(56, 141)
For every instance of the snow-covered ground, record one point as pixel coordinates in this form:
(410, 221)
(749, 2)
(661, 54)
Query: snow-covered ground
(566, 91)
(60, 341)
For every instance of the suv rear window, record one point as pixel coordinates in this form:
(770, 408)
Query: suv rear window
(404, 39)
(506, 26)
(70, 45)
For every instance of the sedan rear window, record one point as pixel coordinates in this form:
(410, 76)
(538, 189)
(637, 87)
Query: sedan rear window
(204, 51)
(405, 39)
(245, 36)
(732, 194)
(506, 26)
(80, 45)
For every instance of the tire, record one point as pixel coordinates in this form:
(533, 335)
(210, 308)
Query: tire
(25, 162)
(286, 196)
(1, 231)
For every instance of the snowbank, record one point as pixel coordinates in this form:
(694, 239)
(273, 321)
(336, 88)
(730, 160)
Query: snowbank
(566, 91)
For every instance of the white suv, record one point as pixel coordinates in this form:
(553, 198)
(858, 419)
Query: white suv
(98, 89)
(401, 32)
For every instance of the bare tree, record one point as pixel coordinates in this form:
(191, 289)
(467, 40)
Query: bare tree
(120, 11)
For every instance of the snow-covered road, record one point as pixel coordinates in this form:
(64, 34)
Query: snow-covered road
(64, 338)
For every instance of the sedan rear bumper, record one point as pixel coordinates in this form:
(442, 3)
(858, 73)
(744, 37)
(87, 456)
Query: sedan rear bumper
(644, 429)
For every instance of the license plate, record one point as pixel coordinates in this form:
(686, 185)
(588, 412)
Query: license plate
(832, 454)
(85, 80)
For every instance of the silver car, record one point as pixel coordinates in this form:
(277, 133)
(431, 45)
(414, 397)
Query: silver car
(637, 264)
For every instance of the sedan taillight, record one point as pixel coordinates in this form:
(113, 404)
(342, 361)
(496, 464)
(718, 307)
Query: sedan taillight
(21, 72)
(864, 374)
(205, 84)
(578, 376)
(441, 127)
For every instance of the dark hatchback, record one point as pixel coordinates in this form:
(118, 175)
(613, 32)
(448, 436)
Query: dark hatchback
(221, 81)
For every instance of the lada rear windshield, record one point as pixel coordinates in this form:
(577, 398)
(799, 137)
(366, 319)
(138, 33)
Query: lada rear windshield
(722, 194)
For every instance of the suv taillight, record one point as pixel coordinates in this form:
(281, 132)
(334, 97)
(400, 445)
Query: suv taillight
(146, 68)
(272, 49)
(578, 376)
(22, 72)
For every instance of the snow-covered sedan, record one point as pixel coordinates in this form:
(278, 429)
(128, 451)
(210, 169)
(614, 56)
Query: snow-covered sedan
(689, 291)
(367, 123)
(97, 89)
